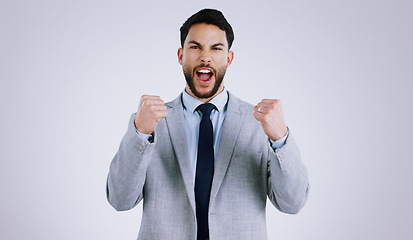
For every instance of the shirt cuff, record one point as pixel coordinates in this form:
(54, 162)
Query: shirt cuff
(148, 137)
(280, 142)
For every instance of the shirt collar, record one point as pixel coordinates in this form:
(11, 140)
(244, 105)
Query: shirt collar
(192, 103)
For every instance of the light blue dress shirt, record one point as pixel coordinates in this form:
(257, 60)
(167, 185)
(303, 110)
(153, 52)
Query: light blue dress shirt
(193, 118)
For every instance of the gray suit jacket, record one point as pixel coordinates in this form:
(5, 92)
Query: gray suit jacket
(247, 170)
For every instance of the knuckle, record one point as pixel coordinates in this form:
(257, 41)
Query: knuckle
(159, 115)
(275, 103)
(154, 97)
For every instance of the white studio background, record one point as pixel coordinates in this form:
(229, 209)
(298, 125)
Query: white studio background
(71, 73)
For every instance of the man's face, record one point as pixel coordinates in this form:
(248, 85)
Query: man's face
(204, 59)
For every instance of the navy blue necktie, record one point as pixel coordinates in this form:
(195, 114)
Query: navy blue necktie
(204, 170)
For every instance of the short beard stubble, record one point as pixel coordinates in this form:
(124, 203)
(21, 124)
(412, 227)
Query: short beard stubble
(190, 78)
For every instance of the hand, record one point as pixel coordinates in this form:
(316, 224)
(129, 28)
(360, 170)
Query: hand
(151, 109)
(269, 112)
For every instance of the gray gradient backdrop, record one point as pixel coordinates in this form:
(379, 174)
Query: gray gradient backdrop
(71, 72)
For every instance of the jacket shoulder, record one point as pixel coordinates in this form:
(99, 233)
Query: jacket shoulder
(243, 106)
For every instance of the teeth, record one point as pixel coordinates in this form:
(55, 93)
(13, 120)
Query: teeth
(204, 71)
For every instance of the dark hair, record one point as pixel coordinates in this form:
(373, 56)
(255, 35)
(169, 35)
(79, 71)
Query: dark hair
(208, 16)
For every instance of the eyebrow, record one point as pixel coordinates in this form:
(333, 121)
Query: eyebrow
(218, 45)
(198, 44)
(194, 42)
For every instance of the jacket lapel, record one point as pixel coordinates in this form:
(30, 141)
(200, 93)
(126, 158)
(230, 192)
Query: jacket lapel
(176, 127)
(230, 130)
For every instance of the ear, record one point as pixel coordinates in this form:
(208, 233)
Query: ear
(180, 54)
(230, 57)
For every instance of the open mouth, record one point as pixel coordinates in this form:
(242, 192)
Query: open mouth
(204, 75)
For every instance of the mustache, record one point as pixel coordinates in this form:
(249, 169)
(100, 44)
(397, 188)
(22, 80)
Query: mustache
(206, 66)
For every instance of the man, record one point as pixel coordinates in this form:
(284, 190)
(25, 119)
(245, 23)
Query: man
(205, 163)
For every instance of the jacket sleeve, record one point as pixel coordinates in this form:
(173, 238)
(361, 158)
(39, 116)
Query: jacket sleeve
(288, 185)
(126, 178)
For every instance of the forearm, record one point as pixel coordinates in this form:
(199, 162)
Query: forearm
(128, 170)
(288, 184)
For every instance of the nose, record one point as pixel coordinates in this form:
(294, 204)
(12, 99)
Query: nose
(205, 57)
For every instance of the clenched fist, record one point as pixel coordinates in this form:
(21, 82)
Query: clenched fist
(151, 109)
(269, 112)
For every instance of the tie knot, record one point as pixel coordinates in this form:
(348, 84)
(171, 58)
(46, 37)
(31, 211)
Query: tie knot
(206, 108)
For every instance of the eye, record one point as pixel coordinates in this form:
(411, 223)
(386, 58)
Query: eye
(217, 48)
(194, 47)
